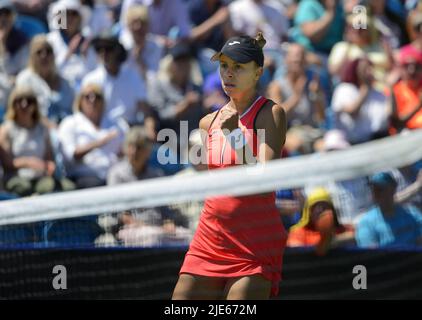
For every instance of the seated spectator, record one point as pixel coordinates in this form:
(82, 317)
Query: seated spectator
(74, 58)
(33, 8)
(174, 94)
(351, 196)
(414, 23)
(54, 93)
(145, 52)
(319, 225)
(298, 91)
(137, 232)
(388, 23)
(169, 19)
(124, 89)
(406, 94)
(89, 146)
(318, 25)
(387, 223)
(134, 166)
(361, 111)
(14, 51)
(100, 18)
(359, 43)
(26, 141)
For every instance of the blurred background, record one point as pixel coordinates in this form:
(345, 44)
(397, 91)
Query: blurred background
(86, 86)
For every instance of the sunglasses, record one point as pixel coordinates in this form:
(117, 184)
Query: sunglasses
(92, 97)
(45, 51)
(24, 102)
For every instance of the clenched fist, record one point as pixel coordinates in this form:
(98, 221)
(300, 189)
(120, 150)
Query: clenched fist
(229, 119)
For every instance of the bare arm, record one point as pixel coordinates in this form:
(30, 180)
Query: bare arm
(409, 192)
(316, 30)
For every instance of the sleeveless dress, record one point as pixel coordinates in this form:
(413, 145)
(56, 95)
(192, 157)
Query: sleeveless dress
(242, 235)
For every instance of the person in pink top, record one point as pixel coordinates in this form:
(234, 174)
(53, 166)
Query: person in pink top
(237, 249)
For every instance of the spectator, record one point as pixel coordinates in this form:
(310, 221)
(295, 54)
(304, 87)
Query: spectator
(14, 51)
(89, 146)
(73, 56)
(318, 25)
(124, 89)
(134, 166)
(387, 223)
(359, 43)
(350, 196)
(54, 93)
(145, 52)
(406, 94)
(388, 23)
(299, 91)
(290, 204)
(361, 111)
(26, 141)
(319, 225)
(100, 17)
(174, 95)
(169, 19)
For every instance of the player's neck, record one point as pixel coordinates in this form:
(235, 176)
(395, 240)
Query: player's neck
(243, 102)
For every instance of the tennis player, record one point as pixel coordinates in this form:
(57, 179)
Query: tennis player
(238, 246)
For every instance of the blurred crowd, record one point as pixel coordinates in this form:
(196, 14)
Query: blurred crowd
(86, 86)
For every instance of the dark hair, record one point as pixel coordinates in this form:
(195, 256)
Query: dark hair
(350, 71)
(260, 40)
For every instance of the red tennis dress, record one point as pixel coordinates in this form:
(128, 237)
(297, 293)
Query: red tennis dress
(237, 236)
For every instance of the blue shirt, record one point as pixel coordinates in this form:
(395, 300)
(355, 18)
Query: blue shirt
(377, 230)
(313, 10)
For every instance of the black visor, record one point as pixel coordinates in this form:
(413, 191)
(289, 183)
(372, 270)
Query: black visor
(242, 49)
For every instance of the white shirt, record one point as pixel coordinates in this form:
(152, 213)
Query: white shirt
(77, 130)
(122, 93)
(249, 17)
(372, 116)
(162, 18)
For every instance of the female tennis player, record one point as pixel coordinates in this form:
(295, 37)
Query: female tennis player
(237, 249)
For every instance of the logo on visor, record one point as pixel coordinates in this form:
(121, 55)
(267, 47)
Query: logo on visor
(234, 42)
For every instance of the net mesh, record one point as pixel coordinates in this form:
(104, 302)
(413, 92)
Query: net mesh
(128, 241)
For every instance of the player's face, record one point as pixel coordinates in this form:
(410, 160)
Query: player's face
(237, 78)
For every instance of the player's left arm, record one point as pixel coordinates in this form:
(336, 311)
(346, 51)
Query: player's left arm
(271, 126)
